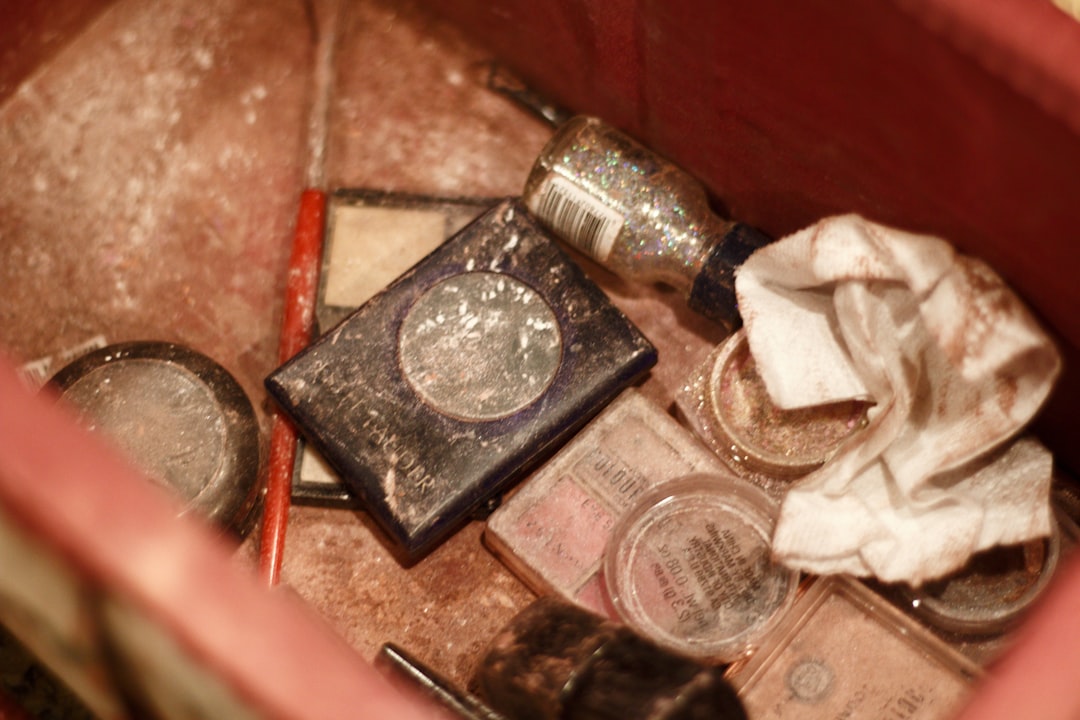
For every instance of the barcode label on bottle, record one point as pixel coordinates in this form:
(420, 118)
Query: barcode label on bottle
(577, 217)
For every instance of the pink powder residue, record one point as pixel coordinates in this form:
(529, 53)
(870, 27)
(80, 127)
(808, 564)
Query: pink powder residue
(566, 533)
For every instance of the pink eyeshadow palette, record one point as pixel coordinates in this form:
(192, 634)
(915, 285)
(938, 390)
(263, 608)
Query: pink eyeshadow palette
(553, 531)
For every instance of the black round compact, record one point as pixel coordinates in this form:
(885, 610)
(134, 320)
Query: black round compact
(179, 416)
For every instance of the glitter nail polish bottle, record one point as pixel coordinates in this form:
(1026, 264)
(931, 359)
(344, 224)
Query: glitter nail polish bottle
(638, 215)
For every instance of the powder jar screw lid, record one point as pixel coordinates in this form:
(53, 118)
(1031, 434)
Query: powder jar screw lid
(555, 659)
(179, 416)
(691, 567)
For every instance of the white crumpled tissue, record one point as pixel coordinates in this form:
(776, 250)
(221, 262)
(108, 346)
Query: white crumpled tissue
(956, 366)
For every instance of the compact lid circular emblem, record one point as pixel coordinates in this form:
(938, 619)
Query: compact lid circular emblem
(480, 346)
(810, 680)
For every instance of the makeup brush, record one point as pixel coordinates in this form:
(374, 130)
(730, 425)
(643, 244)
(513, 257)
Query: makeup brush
(301, 286)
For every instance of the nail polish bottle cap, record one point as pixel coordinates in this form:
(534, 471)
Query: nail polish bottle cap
(713, 291)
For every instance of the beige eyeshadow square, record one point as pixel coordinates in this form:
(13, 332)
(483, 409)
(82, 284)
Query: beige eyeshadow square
(315, 470)
(843, 652)
(371, 246)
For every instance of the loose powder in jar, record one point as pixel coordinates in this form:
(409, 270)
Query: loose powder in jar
(991, 592)
(727, 403)
(691, 567)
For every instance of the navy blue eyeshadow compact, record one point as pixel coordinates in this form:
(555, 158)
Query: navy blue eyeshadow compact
(460, 376)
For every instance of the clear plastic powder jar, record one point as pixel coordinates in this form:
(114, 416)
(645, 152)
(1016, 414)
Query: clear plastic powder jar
(691, 567)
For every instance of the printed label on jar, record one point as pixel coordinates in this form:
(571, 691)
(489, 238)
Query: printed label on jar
(709, 583)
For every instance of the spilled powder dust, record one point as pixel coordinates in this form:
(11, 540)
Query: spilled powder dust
(147, 180)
